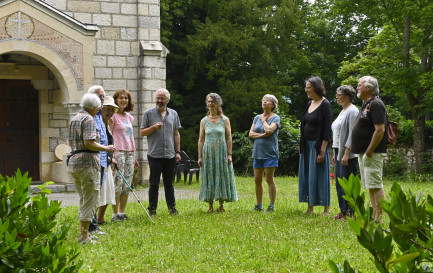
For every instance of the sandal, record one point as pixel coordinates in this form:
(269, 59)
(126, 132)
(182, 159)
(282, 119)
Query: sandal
(102, 223)
(221, 209)
(210, 210)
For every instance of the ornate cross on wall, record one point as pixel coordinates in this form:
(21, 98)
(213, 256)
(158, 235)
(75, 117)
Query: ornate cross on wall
(19, 26)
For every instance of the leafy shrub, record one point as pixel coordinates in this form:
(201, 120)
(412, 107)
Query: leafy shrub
(395, 166)
(242, 151)
(28, 243)
(407, 245)
(288, 141)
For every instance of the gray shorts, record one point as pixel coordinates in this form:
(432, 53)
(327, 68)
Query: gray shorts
(371, 170)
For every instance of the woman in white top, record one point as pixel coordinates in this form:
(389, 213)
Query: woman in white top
(345, 162)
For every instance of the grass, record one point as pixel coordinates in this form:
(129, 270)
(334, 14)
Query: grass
(239, 240)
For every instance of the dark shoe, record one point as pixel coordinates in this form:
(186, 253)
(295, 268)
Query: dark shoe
(123, 217)
(257, 208)
(270, 209)
(173, 211)
(152, 212)
(340, 216)
(115, 218)
(93, 228)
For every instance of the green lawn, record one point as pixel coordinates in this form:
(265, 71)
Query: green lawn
(239, 240)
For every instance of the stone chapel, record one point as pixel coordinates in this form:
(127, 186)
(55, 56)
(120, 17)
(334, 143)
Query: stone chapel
(51, 52)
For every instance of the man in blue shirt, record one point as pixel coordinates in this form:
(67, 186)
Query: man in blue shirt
(103, 156)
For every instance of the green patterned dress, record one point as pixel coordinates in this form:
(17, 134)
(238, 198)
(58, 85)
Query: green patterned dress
(217, 179)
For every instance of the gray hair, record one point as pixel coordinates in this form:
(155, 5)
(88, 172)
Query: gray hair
(273, 99)
(218, 100)
(372, 83)
(94, 88)
(348, 91)
(90, 101)
(165, 91)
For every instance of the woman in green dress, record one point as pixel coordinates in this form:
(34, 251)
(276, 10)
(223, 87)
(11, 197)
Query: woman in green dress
(217, 180)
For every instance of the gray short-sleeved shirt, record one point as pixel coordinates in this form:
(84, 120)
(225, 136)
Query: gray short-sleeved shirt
(161, 142)
(266, 147)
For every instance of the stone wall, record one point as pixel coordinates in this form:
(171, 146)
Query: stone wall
(118, 57)
(409, 155)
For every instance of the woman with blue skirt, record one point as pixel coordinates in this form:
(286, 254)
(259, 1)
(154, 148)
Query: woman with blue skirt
(314, 181)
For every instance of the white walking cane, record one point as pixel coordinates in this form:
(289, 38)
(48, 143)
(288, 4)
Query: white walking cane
(127, 184)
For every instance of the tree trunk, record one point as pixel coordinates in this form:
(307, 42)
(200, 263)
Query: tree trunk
(415, 102)
(418, 140)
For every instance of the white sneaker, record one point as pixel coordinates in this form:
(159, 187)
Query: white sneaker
(98, 232)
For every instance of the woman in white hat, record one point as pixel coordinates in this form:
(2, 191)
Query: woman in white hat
(109, 108)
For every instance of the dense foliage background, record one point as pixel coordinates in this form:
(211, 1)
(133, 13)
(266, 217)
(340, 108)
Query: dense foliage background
(244, 49)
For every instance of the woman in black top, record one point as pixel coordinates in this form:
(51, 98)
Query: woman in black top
(314, 181)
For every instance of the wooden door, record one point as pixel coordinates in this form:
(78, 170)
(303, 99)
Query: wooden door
(19, 128)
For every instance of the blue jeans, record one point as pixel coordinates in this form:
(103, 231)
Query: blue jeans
(340, 172)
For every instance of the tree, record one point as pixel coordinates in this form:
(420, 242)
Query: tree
(243, 49)
(400, 55)
(239, 49)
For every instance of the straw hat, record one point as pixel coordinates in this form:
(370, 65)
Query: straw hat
(109, 101)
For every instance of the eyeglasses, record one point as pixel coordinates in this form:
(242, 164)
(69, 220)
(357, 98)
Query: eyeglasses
(339, 95)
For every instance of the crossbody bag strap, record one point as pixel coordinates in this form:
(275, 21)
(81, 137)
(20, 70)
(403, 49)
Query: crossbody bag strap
(77, 152)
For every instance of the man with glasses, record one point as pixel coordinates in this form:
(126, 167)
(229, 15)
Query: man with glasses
(161, 127)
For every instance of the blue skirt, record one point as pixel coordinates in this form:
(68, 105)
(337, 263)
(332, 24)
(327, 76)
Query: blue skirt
(314, 180)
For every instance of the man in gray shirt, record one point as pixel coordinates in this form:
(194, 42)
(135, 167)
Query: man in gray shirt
(161, 126)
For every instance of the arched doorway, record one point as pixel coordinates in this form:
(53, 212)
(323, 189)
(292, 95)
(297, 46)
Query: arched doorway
(19, 128)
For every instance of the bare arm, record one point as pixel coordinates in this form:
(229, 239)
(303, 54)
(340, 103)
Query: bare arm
(269, 129)
(201, 139)
(176, 136)
(95, 146)
(253, 134)
(345, 158)
(229, 140)
(379, 130)
(321, 156)
(149, 130)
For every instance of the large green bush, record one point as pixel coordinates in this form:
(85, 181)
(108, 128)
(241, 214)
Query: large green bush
(29, 239)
